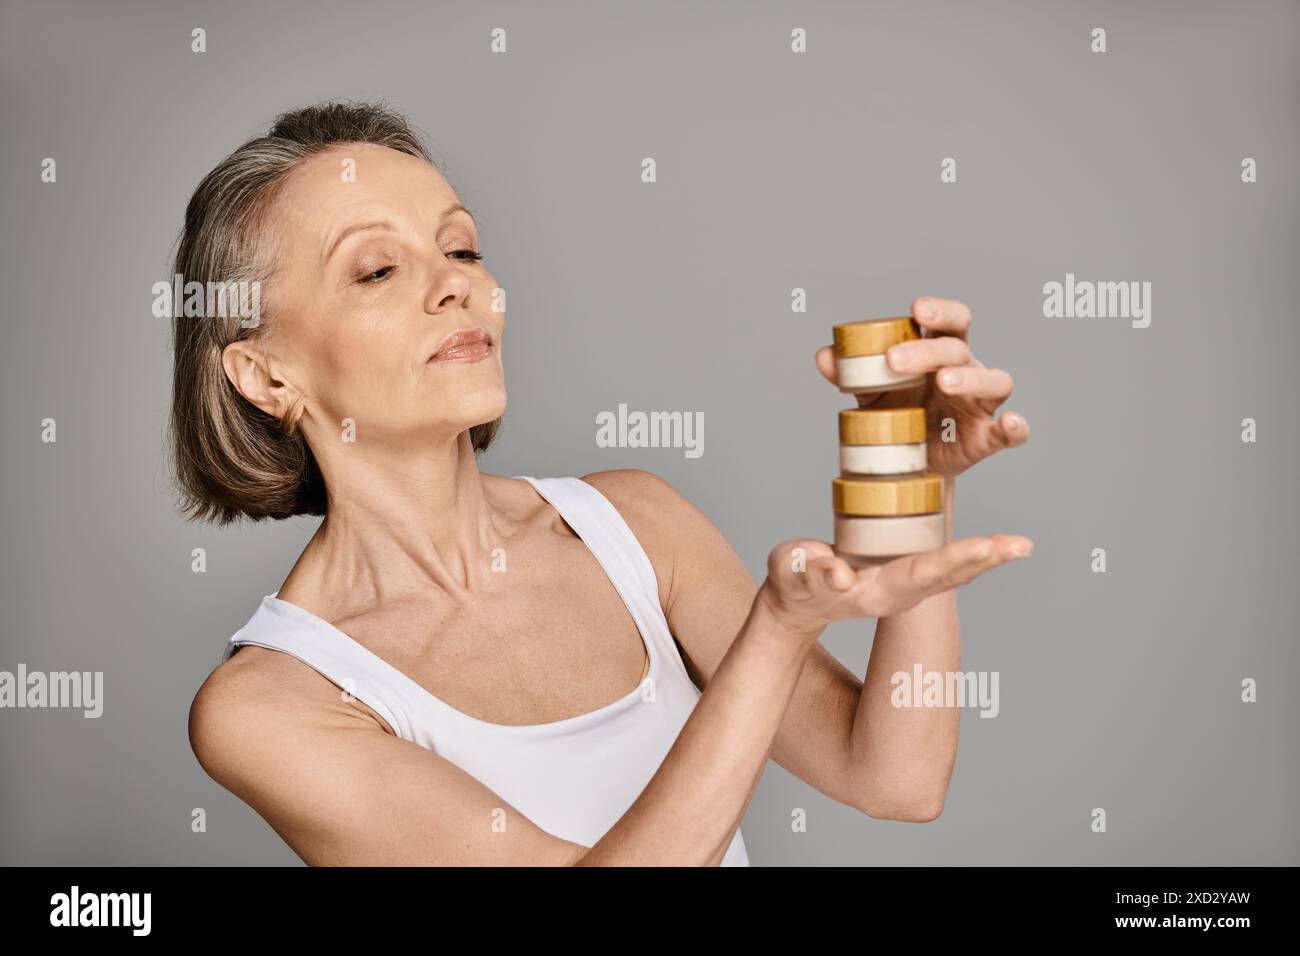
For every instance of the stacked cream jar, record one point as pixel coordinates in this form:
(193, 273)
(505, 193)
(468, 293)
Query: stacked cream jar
(886, 502)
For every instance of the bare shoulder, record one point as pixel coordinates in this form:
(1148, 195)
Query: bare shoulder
(225, 710)
(676, 534)
(250, 705)
(647, 502)
(634, 489)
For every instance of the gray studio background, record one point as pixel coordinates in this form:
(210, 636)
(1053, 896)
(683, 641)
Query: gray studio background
(821, 171)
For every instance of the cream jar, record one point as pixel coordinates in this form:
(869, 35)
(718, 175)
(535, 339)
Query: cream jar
(879, 519)
(882, 441)
(860, 347)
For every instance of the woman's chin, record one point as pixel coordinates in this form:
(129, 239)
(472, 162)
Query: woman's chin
(483, 409)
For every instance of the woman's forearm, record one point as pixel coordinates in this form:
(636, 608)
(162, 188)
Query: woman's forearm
(903, 756)
(692, 806)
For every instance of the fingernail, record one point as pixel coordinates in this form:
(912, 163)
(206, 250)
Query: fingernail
(899, 356)
(927, 310)
(948, 378)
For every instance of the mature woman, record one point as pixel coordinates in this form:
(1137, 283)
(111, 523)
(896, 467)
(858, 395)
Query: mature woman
(447, 676)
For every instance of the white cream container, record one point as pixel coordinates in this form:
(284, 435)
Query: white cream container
(879, 519)
(882, 441)
(860, 364)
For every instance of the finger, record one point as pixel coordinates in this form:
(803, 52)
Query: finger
(987, 384)
(912, 578)
(937, 570)
(1012, 546)
(831, 573)
(826, 364)
(789, 561)
(927, 355)
(942, 315)
(1011, 431)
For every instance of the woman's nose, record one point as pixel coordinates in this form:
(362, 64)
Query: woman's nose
(448, 288)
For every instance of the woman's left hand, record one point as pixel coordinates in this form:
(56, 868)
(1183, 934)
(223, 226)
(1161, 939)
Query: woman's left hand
(957, 386)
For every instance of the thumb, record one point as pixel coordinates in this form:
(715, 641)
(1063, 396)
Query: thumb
(826, 364)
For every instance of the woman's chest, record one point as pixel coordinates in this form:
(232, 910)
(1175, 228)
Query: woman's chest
(530, 651)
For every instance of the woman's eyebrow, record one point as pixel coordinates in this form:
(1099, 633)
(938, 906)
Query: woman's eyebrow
(458, 208)
(377, 224)
(383, 223)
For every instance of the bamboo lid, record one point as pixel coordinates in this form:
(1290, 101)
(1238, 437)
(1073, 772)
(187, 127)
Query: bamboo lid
(882, 426)
(881, 497)
(873, 336)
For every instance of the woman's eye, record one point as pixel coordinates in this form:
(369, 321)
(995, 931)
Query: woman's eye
(379, 275)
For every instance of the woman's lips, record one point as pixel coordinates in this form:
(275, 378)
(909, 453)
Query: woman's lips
(463, 345)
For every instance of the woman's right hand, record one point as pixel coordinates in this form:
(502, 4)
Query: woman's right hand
(808, 586)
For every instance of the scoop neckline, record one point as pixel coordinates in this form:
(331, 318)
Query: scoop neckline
(577, 721)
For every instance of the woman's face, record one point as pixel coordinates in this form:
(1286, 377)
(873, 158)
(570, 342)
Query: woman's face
(374, 271)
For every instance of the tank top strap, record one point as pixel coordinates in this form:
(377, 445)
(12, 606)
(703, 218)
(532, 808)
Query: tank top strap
(602, 528)
(358, 672)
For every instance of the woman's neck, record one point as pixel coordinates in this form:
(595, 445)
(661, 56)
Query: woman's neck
(400, 521)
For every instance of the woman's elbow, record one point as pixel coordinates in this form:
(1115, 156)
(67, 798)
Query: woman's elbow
(905, 809)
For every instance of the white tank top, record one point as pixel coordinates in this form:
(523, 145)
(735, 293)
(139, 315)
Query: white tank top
(575, 777)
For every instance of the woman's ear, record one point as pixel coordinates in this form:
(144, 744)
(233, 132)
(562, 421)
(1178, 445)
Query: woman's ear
(249, 369)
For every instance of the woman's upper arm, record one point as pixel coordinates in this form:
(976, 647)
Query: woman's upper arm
(341, 790)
